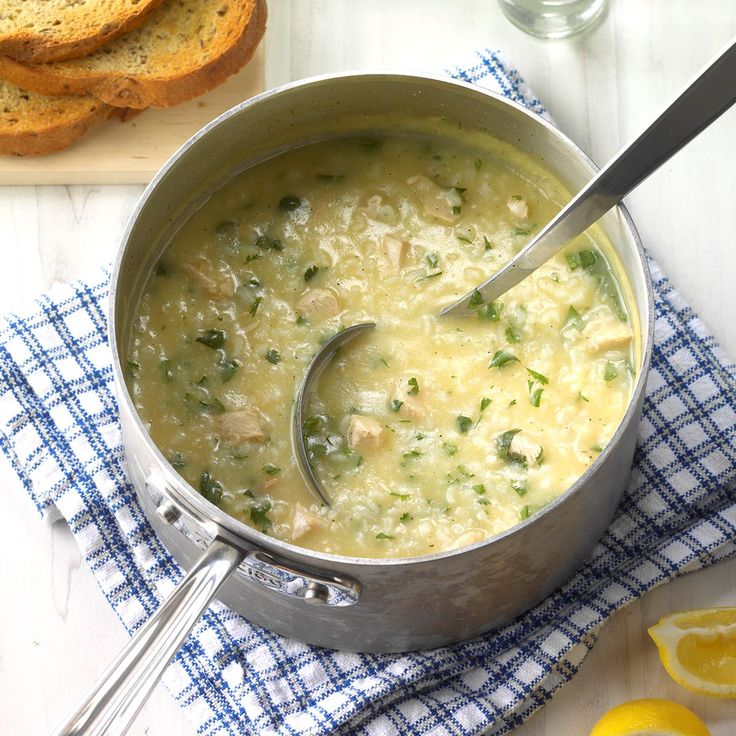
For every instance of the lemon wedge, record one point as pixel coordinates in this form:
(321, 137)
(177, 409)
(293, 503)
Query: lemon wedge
(698, 649)
(650, 717)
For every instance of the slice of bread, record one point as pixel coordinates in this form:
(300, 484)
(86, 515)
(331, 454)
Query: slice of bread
(186, 48)
(59, 29)
(32, 124)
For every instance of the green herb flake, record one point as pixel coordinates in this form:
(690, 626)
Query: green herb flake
(411, 455)
(519, 231)
(289, 203)
(383, 535)
(414, 387)
(270, 469)
(574, 319)
(538, 376)
(582, 397)
(478, 164)
(227, 368)
(464, 423)
(512, 336)
(476, 299)
(490, 312)
(396, 404)
(166, 371)
(254, 307)
(405, 517)
(573, 261)
(302, 320)
(609, 372)
(432, 259)
(429, 276)
(266, 242)
(503, 442)
(450, 448)
(259, 514)
(212, 405)
(400, 496)
(176, 460)
(524, 513)
(210, 488)
(214, 339)
(272, 356)
(132, 368)
(535, 394)
(160, 269)
(484, 404)
(597, 448)
(502, 358)
(311, 272)
(487, 243)
(311, 424)
(456, 209)
(520, 486)
(479, 488)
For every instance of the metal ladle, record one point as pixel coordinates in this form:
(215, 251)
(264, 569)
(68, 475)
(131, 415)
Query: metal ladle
(702, 102)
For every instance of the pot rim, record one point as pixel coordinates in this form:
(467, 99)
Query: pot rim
(186, 495)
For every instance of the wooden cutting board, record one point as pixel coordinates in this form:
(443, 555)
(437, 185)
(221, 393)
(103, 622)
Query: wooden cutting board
(131, 153)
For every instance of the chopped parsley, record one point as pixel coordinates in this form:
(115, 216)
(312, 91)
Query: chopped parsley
(289, 203)
(538, 376)
(476, 299)
(270, 469)
(518, 231)
(490, 312)
(302, 320)
(450, 448)
(166, 372)
(484, 404)
(383, 535)
(520, 486)
(609, 372)
(502, 358)
(512, 335)
(176, 460)
(259, 514)
(214, 339)
(503, 442)
(311, 424)
(487, 243)
(210, 488)
(254, 307)
(479, 488)
(311, 272)
(410, 456)
(401, 496)
(268, 243)
(405, 517)
(432, 259)
(574, 319)
(227, 368)
(464, 423)
(396, 404)
(272, 356)
(414, 387)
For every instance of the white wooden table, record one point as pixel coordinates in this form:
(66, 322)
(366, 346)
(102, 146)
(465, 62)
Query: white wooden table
(57, 632)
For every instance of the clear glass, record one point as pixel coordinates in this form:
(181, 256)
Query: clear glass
(553, 18)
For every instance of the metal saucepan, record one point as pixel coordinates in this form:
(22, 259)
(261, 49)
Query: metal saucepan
(369, 605)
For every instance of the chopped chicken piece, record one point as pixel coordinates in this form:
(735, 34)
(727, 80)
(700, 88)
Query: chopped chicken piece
(519, 207)
(215, 283)
(378, 207)
(364, 432)
(440, 202)
(304, 522)
(411, 407)
(470, 537)
(243, 425)
(524, 448)
(606, 334)
(396, 251)
(318, 303)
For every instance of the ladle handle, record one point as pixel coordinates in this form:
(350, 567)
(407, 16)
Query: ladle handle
(704, 100)
(110, 706)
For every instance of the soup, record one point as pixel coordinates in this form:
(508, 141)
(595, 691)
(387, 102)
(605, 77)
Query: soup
(428, 433)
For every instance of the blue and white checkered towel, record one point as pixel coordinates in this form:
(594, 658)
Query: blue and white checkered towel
(59, 427)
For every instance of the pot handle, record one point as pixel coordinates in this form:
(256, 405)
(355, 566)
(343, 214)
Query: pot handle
(110, 706)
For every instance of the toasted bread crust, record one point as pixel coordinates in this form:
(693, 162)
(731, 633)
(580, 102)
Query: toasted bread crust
(54, 136)
(71, 41)
(143, 91)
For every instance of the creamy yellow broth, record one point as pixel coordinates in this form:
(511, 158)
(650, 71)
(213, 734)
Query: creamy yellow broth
(427, 433)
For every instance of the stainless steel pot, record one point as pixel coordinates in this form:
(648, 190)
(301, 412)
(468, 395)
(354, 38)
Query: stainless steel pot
(370, 605)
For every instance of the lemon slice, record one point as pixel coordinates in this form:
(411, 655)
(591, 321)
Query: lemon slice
(698, 649)
(650, 717)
